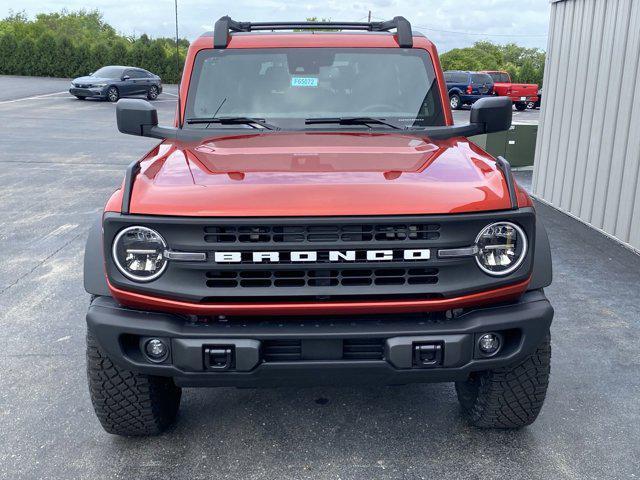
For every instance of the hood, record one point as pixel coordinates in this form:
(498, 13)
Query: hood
(317, 174)
(90, 79)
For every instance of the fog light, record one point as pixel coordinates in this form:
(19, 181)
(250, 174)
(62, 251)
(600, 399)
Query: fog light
(156, 349)
(489, 343)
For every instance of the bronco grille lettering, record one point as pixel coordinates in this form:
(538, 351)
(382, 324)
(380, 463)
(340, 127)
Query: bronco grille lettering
(311, 256)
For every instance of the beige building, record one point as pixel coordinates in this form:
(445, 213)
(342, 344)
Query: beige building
(588, 149)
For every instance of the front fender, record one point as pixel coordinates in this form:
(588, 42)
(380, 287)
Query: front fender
(95, 280)
(542, 274)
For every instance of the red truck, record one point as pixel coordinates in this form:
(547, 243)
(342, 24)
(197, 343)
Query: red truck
(313, 216)
(521, 94)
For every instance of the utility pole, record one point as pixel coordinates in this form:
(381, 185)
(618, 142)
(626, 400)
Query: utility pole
(369, 19)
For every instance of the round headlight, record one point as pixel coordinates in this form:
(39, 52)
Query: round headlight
(138, 252)
(502, 247)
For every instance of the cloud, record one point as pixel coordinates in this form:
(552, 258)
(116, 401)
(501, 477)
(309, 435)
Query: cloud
(449, 23)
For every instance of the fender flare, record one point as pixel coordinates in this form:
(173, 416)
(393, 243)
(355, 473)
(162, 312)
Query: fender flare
(542, 274)
(455, 90)
(95, 280)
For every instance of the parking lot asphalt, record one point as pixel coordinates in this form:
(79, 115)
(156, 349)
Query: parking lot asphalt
(527, 117)
(59, 161)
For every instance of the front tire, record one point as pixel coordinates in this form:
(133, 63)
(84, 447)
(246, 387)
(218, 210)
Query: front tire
(455, 101)
(129, 403)
(508, 397)
(152, 94)
(521, 106)
(113, 95)
(80, 97)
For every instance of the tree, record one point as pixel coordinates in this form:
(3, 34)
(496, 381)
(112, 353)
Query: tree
(523, 64)
(45, 55)
(25, 56)
(99, 55)
(73, 43)
(64, 50)
(8, 45)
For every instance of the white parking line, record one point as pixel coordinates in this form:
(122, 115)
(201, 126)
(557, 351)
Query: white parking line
(172, 94)
(35, 97)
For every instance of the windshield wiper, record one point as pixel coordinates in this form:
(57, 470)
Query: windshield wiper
(354, 121)
(253, 122)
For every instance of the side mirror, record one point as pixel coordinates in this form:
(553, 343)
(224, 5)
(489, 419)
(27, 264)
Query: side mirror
(91, 73)
(139, 117)
(488, 115)
(494, 114)
(126, 77)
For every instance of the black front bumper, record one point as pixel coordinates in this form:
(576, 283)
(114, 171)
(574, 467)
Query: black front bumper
(88, 92)
(325, 350)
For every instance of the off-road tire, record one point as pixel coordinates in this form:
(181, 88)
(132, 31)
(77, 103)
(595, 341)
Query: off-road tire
(521, 106)
(129, 403)
(508, 397)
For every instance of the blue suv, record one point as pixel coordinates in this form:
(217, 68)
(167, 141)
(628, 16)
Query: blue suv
(466, 88)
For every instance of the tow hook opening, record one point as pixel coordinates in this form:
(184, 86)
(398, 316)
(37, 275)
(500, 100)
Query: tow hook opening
(427, 355)
(218, 357)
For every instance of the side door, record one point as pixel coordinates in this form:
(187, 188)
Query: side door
(140, 81)
(127, 86)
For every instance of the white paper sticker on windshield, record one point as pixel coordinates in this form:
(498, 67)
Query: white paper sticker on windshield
(304, 82)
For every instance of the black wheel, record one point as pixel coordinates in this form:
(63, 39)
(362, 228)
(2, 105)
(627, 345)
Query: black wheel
(521, 106)
(113, 94)
(129, 403)
(455, 101)
(531, 105)
(80, 97)
(508, 397)
(152, 94)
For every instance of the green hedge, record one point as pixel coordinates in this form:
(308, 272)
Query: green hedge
(70, 44)
(73, 44)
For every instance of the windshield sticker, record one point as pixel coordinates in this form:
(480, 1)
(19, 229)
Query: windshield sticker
(304, 82)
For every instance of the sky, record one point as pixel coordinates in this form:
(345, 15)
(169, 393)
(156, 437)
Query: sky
(448, 23)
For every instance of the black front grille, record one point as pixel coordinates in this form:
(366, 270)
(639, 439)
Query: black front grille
(321, 233)
(363, 349)
(281, 350)
(343, 277)
(284, 350)
(318, 259)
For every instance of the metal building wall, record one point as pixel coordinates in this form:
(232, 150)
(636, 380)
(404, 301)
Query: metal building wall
(588, 148)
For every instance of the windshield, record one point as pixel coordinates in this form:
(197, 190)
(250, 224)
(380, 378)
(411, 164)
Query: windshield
(290, 85)
(500, 77)
(481, 78)
(109, 72)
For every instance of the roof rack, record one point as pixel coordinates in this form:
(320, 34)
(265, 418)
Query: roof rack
(226, 24)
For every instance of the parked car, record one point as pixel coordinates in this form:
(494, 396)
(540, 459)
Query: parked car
(113, 82)
(466, 88)
(519, 93)
(312, 216)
